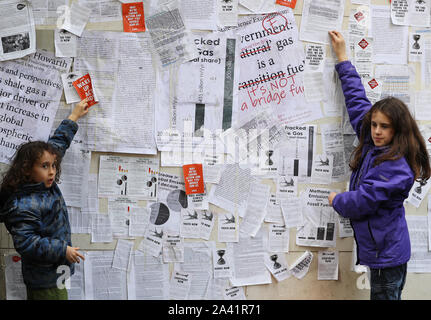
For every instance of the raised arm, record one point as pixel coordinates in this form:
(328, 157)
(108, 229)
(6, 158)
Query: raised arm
(67, 129)
(357, 103)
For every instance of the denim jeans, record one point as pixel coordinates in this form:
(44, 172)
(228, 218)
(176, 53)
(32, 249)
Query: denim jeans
(387, 284)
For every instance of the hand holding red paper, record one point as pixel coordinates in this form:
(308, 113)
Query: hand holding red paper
(85, 89)
(193, 178)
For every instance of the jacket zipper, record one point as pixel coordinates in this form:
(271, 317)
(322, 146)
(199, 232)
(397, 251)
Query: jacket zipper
(372, 237)
(355, 185)
(357, 247)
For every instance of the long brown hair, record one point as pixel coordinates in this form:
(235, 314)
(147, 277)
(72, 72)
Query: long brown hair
(21, 167)
(407, 141)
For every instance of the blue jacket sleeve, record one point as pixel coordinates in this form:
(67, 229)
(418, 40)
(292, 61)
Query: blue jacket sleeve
(25, 228)
(357, 103)
(63, 135)
(386, 185)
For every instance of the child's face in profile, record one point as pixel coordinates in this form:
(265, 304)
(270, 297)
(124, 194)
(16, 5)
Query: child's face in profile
(45, 169)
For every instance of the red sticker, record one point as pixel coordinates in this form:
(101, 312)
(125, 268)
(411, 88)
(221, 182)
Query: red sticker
(359, 16)
(373, 83)
(363, 43)
(16, 258)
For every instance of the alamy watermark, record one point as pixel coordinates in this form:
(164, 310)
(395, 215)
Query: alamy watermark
(63, 281)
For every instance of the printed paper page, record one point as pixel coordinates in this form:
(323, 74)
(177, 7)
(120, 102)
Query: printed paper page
(180, 285)
(322, 169)
(344, 227)
(332, 139)
(102, 10)
(234, 293)
(277, 265)
(207, 219)
(319, 220)
(418, 192)
(386, 50)
(76, 19)
(29, 106)
(228, 227)
(232, 191)
(315, 55)
(273, 210)
(190, 224)
(301, 266)
(77, 283)
(173, 247)
(65, 43)
(139, 221)
(153, 241)
(128, 176)
(297, 153)
(222, 262)
(227, 13)
(15, 287)
(102, 282)
(169, 35)
(18, 35)
(292, 212)
(197, 263)
(327, 265)
(249, 261)
(200, 14)
(416, 47)
(411, 13)
(420, 260)
(255, 212)
(148, 278)
(319, 17)
(101, 230)
(278, 238)
(122, 254)
(119, 213)
(271, 67)
(422, 103)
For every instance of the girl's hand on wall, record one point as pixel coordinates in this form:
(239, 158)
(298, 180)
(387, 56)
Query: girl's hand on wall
(339, 45)
(331, 197)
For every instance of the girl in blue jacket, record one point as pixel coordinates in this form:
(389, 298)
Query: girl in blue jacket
(35, 214)
(391, 154)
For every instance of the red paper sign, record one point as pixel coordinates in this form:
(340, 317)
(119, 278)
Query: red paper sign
(193, 178)
(85, 89)
(287, 3)
(133, 17)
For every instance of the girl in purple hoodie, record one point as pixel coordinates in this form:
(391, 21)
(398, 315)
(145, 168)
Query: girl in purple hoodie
(390, 156)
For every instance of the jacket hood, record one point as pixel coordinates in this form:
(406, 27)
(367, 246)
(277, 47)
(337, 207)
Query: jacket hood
(6, 207)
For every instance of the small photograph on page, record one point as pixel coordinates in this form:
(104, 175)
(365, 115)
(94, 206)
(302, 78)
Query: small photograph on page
(16, 42)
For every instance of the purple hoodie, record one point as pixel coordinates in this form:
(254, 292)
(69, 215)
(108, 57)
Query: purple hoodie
(374, 202)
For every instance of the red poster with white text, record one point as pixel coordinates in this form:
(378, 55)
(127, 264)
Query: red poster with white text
(85, 89)
(193, 178)
(133, 17)
(287, 3)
